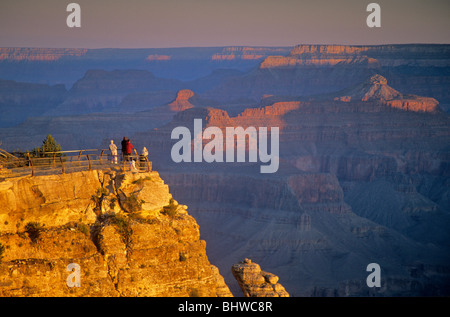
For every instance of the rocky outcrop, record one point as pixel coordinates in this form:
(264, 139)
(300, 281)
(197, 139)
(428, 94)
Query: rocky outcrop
(182, 101)
(256, 283)
(376, 88)
(124, 230)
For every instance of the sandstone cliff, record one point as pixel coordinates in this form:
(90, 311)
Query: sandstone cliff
(124, 230)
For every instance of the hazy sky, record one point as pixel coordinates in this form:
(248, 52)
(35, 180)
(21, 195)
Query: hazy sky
(175, 23)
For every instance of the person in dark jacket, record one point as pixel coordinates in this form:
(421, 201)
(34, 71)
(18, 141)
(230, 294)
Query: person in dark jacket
(124, 147)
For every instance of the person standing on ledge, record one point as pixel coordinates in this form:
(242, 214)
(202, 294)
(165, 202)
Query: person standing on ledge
(129, 148)
(124, 148)
(144, 152)
(113, 149)
(143, 159)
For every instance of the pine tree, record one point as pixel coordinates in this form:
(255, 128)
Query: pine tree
(48, 145)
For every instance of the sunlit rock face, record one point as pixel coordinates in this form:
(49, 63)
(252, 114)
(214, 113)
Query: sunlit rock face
(114, 225)
(256, 283)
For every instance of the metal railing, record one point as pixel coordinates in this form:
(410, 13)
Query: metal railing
(72, 161)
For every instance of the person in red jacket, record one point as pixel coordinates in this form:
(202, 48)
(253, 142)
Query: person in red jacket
(129, 149)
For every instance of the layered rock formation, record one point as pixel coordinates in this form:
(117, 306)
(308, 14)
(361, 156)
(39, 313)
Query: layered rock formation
(257, 283)
(376, 88)
(182, 101)
(373, 55)
(317, 69)
(124, 230)
(292, 61)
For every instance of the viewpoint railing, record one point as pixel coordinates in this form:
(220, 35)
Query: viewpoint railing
(72, 161)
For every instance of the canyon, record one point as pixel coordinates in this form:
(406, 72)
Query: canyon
(363, 156)
(352, 182)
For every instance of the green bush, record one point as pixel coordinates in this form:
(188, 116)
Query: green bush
(34, 230)
(182, 257)
(123, 225)
(141, 180)
(112, 203)
(49, 144)
(83, 228)
(171, 209)
(132, 204)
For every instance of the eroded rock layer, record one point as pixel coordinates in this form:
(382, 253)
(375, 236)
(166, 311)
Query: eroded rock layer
(256, 283)
(124, 230)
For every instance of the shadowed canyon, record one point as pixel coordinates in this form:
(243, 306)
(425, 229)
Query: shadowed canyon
(364, 156)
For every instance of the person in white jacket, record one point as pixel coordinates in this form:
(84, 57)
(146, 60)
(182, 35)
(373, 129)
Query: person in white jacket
(144, 152)
(113, 149)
